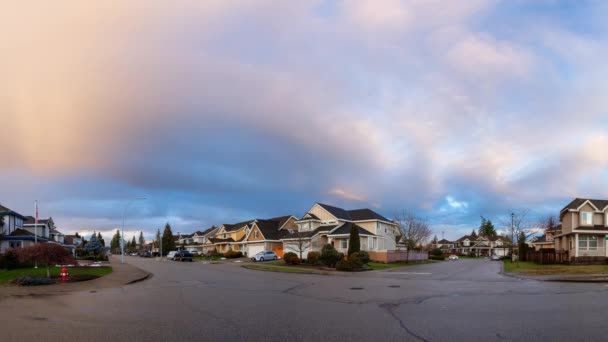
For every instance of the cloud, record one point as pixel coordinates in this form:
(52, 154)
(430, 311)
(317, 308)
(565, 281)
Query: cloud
(222, 111)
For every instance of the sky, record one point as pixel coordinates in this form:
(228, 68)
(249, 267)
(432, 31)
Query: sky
(222, 111)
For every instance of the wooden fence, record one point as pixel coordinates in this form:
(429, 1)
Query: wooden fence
(545, 257)
(398, 256)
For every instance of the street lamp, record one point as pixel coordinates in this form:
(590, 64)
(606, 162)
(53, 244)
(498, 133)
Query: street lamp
(122, 237)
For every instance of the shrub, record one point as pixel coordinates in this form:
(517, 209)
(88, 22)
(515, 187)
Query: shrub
(93, 258)
(287, 257)
(233, 254)
(362, 256)
(214, 253)
(436, 257)
(437, 251)
(330, 256)
(32, 281)
(9, 260)
(313, 258)
(346, 265)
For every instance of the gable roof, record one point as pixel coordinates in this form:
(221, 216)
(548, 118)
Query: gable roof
(338, 213)
(236, 226)
(365, 215)
(308, 235)
(270, 229)
(346, 227)
(311, 217)
(444, 242)
(281, 220)
(32, 220)
(577, 202)
(6, 211)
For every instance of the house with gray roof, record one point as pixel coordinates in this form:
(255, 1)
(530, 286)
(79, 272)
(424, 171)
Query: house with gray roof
(583, 232)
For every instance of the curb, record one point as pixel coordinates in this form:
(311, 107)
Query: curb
(140, 279)
(278, 270)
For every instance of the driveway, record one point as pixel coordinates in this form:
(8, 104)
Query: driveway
(465, 300)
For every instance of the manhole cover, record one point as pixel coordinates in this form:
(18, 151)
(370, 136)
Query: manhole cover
(394, 286)
(356, 288)
(93, 291)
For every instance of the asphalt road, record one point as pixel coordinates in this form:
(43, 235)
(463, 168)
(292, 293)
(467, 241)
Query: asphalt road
(465, 300)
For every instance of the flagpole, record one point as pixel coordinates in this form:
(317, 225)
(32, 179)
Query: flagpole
(36, 232)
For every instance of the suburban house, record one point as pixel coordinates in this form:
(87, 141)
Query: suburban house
(446, 246)
(22, 231)
(545, 242)
(483, 246)
(583, 231)
(325, 224)
(267, 235)
(228, 237)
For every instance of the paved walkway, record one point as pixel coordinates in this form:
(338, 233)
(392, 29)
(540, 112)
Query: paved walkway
(122, 274)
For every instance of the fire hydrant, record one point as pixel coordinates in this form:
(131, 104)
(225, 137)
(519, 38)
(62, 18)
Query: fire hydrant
(64, 274)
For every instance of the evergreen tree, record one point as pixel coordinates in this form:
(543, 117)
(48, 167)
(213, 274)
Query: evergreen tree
(167, 240)
(115, 243)
(473, 233)
(133, 245)
(93, 246)
(157, 239)
(101, 240)
(354, 242)
(486, 228)
(142, 242)
(522, 246)
(434, 240)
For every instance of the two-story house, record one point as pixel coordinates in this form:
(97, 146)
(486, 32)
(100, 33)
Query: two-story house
(228, 237)
(545, 242)
(325, 224)
(584, 230)
(478, 245)
(266, 235)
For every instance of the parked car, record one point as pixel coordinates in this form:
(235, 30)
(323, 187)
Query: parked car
(183, 256)
(145, 254)
(266, 255)
(495, 257)
(171, 255)
(453, 257)
(194, 251)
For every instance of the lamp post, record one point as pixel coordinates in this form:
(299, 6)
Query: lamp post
(512, 238)
(122, 231)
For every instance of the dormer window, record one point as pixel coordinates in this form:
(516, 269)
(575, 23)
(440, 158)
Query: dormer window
(586, 218)
(255, 234)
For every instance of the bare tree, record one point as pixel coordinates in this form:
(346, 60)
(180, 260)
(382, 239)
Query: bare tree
(520, 227)
(548, 223)
(299, 242)
(415, 230)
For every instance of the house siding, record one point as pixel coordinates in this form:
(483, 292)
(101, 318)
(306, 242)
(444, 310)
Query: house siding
(321, 213)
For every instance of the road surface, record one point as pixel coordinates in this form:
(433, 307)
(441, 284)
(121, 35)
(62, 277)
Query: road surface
(464, 300)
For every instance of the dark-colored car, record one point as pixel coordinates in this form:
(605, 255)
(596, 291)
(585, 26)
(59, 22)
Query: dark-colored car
(182, 256)
(145, 254)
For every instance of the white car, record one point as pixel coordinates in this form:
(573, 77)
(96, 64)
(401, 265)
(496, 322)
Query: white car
(265, 255)
(495, 257)
(194, 251)
(453, 257)
(171, 255)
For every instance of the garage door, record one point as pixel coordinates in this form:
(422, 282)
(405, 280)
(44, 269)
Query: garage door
(254, 249)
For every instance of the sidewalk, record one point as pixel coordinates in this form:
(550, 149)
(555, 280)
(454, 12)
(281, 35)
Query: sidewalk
(122, 274)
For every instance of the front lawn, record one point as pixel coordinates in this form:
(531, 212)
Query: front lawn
(7, 276)
(532, 268)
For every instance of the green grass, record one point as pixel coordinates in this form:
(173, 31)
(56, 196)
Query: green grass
(205, 258)
(283, 269)
(532, 268)
(376, 266)
(7, 276)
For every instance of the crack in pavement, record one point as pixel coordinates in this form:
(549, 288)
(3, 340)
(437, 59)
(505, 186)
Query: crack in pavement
(390, 308)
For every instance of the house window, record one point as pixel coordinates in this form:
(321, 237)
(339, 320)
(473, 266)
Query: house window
(15, 244)
(344, 244)
(586, 218)
(255, 234)
(587, 242)
(372, 243)
(224, 236)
